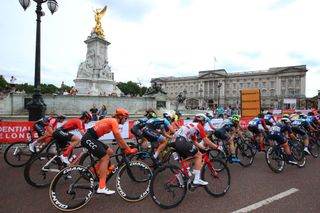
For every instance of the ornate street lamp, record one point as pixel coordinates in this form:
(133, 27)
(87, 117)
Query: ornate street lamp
(36, 106)
(219, 85)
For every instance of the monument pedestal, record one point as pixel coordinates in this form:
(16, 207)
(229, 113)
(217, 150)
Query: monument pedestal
(94, 75)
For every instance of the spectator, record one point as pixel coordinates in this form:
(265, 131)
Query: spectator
(13, 84)
(220, 112)
(94, 111)
(102, 113)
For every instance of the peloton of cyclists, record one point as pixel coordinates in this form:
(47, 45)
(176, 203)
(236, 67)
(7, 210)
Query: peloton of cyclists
(90, 140)
(65, 137)
(44, 128)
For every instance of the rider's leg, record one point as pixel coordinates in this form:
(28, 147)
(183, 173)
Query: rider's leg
(75, 140)
(162, 145)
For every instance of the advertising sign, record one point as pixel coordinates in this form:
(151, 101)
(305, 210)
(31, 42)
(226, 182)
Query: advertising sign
(250, 103)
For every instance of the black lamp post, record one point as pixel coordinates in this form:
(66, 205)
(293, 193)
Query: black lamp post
(36, 106)
(219, 85)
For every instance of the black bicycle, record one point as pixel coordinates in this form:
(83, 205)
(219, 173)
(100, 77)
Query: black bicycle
(18, 153)
(276, 156)
(74, 186)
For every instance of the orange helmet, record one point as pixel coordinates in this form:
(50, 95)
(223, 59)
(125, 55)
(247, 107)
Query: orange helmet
(123, 112)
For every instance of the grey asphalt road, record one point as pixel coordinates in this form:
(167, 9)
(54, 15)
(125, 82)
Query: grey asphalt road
(248, 186)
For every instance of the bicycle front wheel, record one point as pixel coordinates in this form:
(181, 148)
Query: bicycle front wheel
(72, 188)
(41, 169)
(17, 154)
(217, 174)
(166, 190)
(245, 154)
(133, 181)
(314, 148)
(275, 159)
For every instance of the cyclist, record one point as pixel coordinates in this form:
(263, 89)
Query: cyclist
(257, 125)
(63, 136)
(209, 119)
(313, 120)
(155, 131)
(44, 128)
(186, 143)
(300, 126)
(269, 119)
(226, 132)
(136, 129)
(174, 123)
(91, 141)
(280, 133)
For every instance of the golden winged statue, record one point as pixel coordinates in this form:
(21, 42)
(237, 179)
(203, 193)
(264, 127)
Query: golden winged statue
(98, 14)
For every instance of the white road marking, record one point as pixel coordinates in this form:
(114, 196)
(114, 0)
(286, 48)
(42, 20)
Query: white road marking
(267, 201)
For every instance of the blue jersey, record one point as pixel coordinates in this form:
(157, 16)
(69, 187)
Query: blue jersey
(255, 121)
(157, 123)
(228, 125)
(300, 122)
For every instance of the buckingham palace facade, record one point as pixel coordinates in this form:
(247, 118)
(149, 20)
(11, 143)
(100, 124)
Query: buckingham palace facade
(280, 87)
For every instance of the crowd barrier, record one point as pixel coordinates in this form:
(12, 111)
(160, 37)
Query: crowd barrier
(18, 131)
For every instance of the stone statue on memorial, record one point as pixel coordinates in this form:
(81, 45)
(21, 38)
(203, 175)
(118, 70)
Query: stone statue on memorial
(99, 13)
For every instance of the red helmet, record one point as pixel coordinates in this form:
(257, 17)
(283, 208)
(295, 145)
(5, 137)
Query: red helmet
(123, 112)
(86, 114)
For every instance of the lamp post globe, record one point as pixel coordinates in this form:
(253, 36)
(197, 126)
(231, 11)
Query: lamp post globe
(36, 106)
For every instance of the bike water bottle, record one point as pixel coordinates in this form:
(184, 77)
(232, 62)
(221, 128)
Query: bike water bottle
(189, 171)
(72, 158)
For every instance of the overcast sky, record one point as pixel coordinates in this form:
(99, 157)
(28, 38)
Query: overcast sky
(159, 38)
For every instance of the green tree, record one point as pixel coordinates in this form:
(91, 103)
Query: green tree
(3, 83)
(131, 88)
(25, 87)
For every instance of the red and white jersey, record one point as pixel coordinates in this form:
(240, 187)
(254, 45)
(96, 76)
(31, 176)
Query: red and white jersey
(191, 131)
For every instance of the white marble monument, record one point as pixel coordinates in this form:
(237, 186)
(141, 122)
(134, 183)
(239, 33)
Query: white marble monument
(94, 76)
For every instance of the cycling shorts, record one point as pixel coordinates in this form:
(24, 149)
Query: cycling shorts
(40, 129)
(222, 134)
(97, 148)
(300, 131)
(152, 135)
(185, 148)
(254, 129)
(62, 137)
(277, 136)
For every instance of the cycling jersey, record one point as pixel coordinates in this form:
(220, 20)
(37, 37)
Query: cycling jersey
(269, 119)
(190, 131)
(72, 124)
(277, 133)
(153, 127)
(40, 125)
(136, 129)
(105, 126)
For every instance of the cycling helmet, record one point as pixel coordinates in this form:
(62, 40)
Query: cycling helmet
(122, 112)
(200, 117)
(209, 115)
(303, 116)
(286, 115)
(86, 114)
(260, 115)
(269, 113)
(285, 120)
(168, 116)
(151, 115)
(235, 118)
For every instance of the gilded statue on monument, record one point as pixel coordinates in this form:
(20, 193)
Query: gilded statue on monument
(98, 14)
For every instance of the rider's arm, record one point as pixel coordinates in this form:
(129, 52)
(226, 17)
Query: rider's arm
(121, 142)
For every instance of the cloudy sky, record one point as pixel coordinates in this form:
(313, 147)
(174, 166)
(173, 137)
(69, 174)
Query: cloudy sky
(153, 38)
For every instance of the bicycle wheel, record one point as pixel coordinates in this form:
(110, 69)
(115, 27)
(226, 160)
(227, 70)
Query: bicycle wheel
(118, 156)
(17, 154)
(41, 169)
(298, 154)
(314, 148)
(72, 188)
(133, 181)
(275, 159)
(166, 191)
(245, 154)
(217, 174)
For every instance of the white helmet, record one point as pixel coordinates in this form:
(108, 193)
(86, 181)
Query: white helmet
(200, 117)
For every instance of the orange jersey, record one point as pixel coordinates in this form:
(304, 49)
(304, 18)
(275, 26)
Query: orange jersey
(105, 126)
